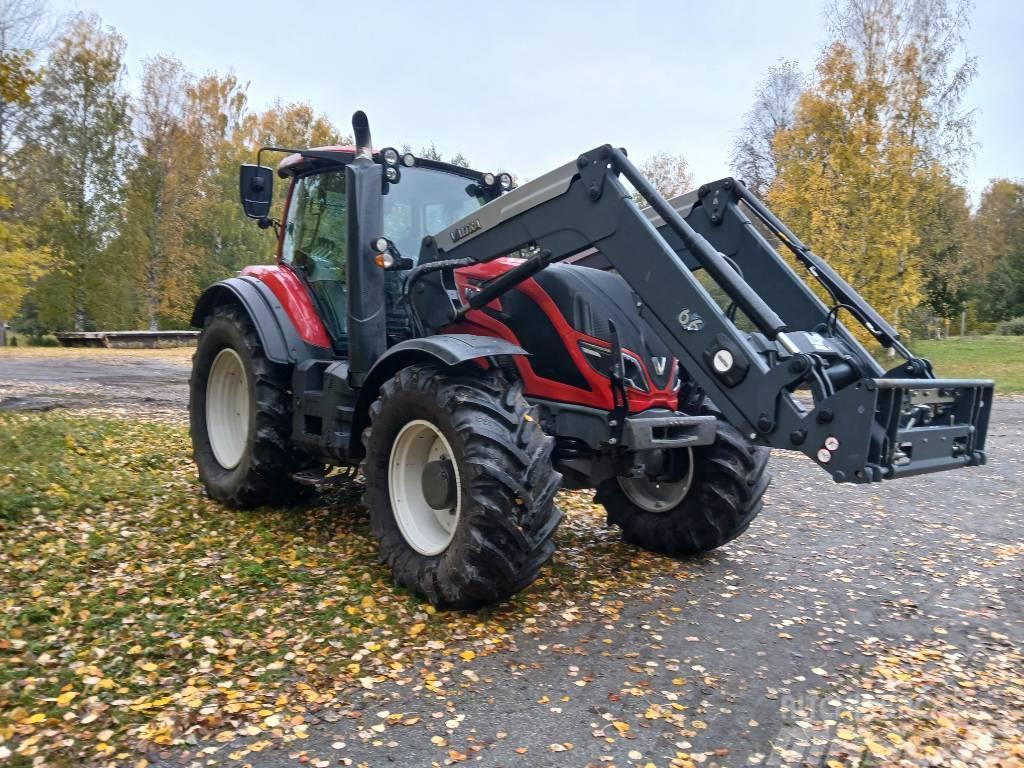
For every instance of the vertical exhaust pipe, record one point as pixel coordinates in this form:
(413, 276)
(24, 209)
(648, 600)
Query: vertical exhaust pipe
(367, 317)
(361, 134)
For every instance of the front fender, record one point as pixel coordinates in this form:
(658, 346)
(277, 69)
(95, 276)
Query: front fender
(280, 341)
(449, 349)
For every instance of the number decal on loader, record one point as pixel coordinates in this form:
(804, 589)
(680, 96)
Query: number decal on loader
(690, 321)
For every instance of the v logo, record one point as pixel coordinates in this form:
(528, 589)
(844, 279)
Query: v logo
(659, 364)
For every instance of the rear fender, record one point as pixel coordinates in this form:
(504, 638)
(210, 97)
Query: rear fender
(281, 343)
(448, 349)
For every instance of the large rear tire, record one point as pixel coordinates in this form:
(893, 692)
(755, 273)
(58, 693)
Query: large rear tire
(459, 485)
(240, 416)
(724, 486)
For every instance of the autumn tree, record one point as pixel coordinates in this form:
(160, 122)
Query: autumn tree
(754, 157)
(863, 169)
(670, 174)
(216, 241)
(156, 196)
(997, 234)
(22, 259)
(82, 136)
(22, 262)
(998, 224)
(943, 228)
(23, 31)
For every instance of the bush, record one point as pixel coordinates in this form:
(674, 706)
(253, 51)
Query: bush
(1014, 327)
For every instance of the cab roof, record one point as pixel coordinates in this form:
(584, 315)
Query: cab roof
(317, 158)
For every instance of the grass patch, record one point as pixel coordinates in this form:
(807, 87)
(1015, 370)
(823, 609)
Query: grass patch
(134, 612)
(990, 357)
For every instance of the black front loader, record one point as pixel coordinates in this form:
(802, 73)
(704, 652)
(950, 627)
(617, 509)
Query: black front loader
(864, 424)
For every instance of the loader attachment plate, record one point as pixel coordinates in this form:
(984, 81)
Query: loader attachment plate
(932, 424)
(919, 426)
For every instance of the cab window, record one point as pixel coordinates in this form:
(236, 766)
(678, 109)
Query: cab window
(314, 241)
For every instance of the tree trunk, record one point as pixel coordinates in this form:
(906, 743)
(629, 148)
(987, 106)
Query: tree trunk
(3, 332)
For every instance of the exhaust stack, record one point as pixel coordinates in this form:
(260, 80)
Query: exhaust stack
(361, 133)
(367, 316)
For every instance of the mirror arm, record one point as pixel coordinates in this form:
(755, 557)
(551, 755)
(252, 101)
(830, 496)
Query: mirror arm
(266, 222)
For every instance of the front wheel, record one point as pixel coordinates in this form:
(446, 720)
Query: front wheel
(459, 485)
(711, 499)
(240, 416)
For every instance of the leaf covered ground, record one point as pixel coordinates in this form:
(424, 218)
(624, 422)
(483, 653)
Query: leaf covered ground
(143, 625)
(136, 613)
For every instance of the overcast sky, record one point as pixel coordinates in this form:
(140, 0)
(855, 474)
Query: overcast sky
(529, 85)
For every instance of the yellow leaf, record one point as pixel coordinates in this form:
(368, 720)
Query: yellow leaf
(65, 698)
(620, 726)
(415, 629)
(439, 741)
(38, 717)
(367, 603)
(878, 749)
(467, 655)
(845, 733)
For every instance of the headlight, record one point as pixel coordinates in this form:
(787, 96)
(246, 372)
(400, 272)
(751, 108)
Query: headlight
(390, 156)
(600, 360)
(391, 174)
(505, 181)
(408, 160)
(488, 179)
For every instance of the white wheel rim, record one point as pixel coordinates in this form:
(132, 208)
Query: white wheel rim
(654, 496)
(227, 408)
(427, 530)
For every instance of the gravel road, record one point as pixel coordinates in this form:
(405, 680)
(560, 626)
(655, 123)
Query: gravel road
(843, 610)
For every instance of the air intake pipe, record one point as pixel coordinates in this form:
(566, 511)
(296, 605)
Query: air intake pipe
(367, 317)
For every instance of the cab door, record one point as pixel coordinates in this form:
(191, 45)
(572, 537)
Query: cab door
(314, 243)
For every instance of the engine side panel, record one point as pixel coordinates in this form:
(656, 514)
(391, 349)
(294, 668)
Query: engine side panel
(550, 326)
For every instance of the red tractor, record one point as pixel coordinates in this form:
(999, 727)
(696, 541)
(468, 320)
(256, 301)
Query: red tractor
(475, 347)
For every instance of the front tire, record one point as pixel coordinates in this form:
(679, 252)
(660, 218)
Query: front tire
(459, 485)
(724, 488)
(240, 416)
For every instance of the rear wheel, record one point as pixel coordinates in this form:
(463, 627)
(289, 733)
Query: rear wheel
(240, 416)
(459, 485)
(711, 501)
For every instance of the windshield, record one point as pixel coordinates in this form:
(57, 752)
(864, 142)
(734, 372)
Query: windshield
(424, 202)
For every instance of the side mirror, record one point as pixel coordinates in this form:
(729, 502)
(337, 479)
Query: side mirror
(256, 188)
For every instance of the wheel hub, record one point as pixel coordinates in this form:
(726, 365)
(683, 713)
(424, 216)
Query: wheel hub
(439, 484)
(424, 487)
(653, 495)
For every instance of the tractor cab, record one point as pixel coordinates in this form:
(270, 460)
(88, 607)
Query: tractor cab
(417, 197)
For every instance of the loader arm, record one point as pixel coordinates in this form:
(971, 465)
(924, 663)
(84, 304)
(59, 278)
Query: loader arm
(863, 426)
